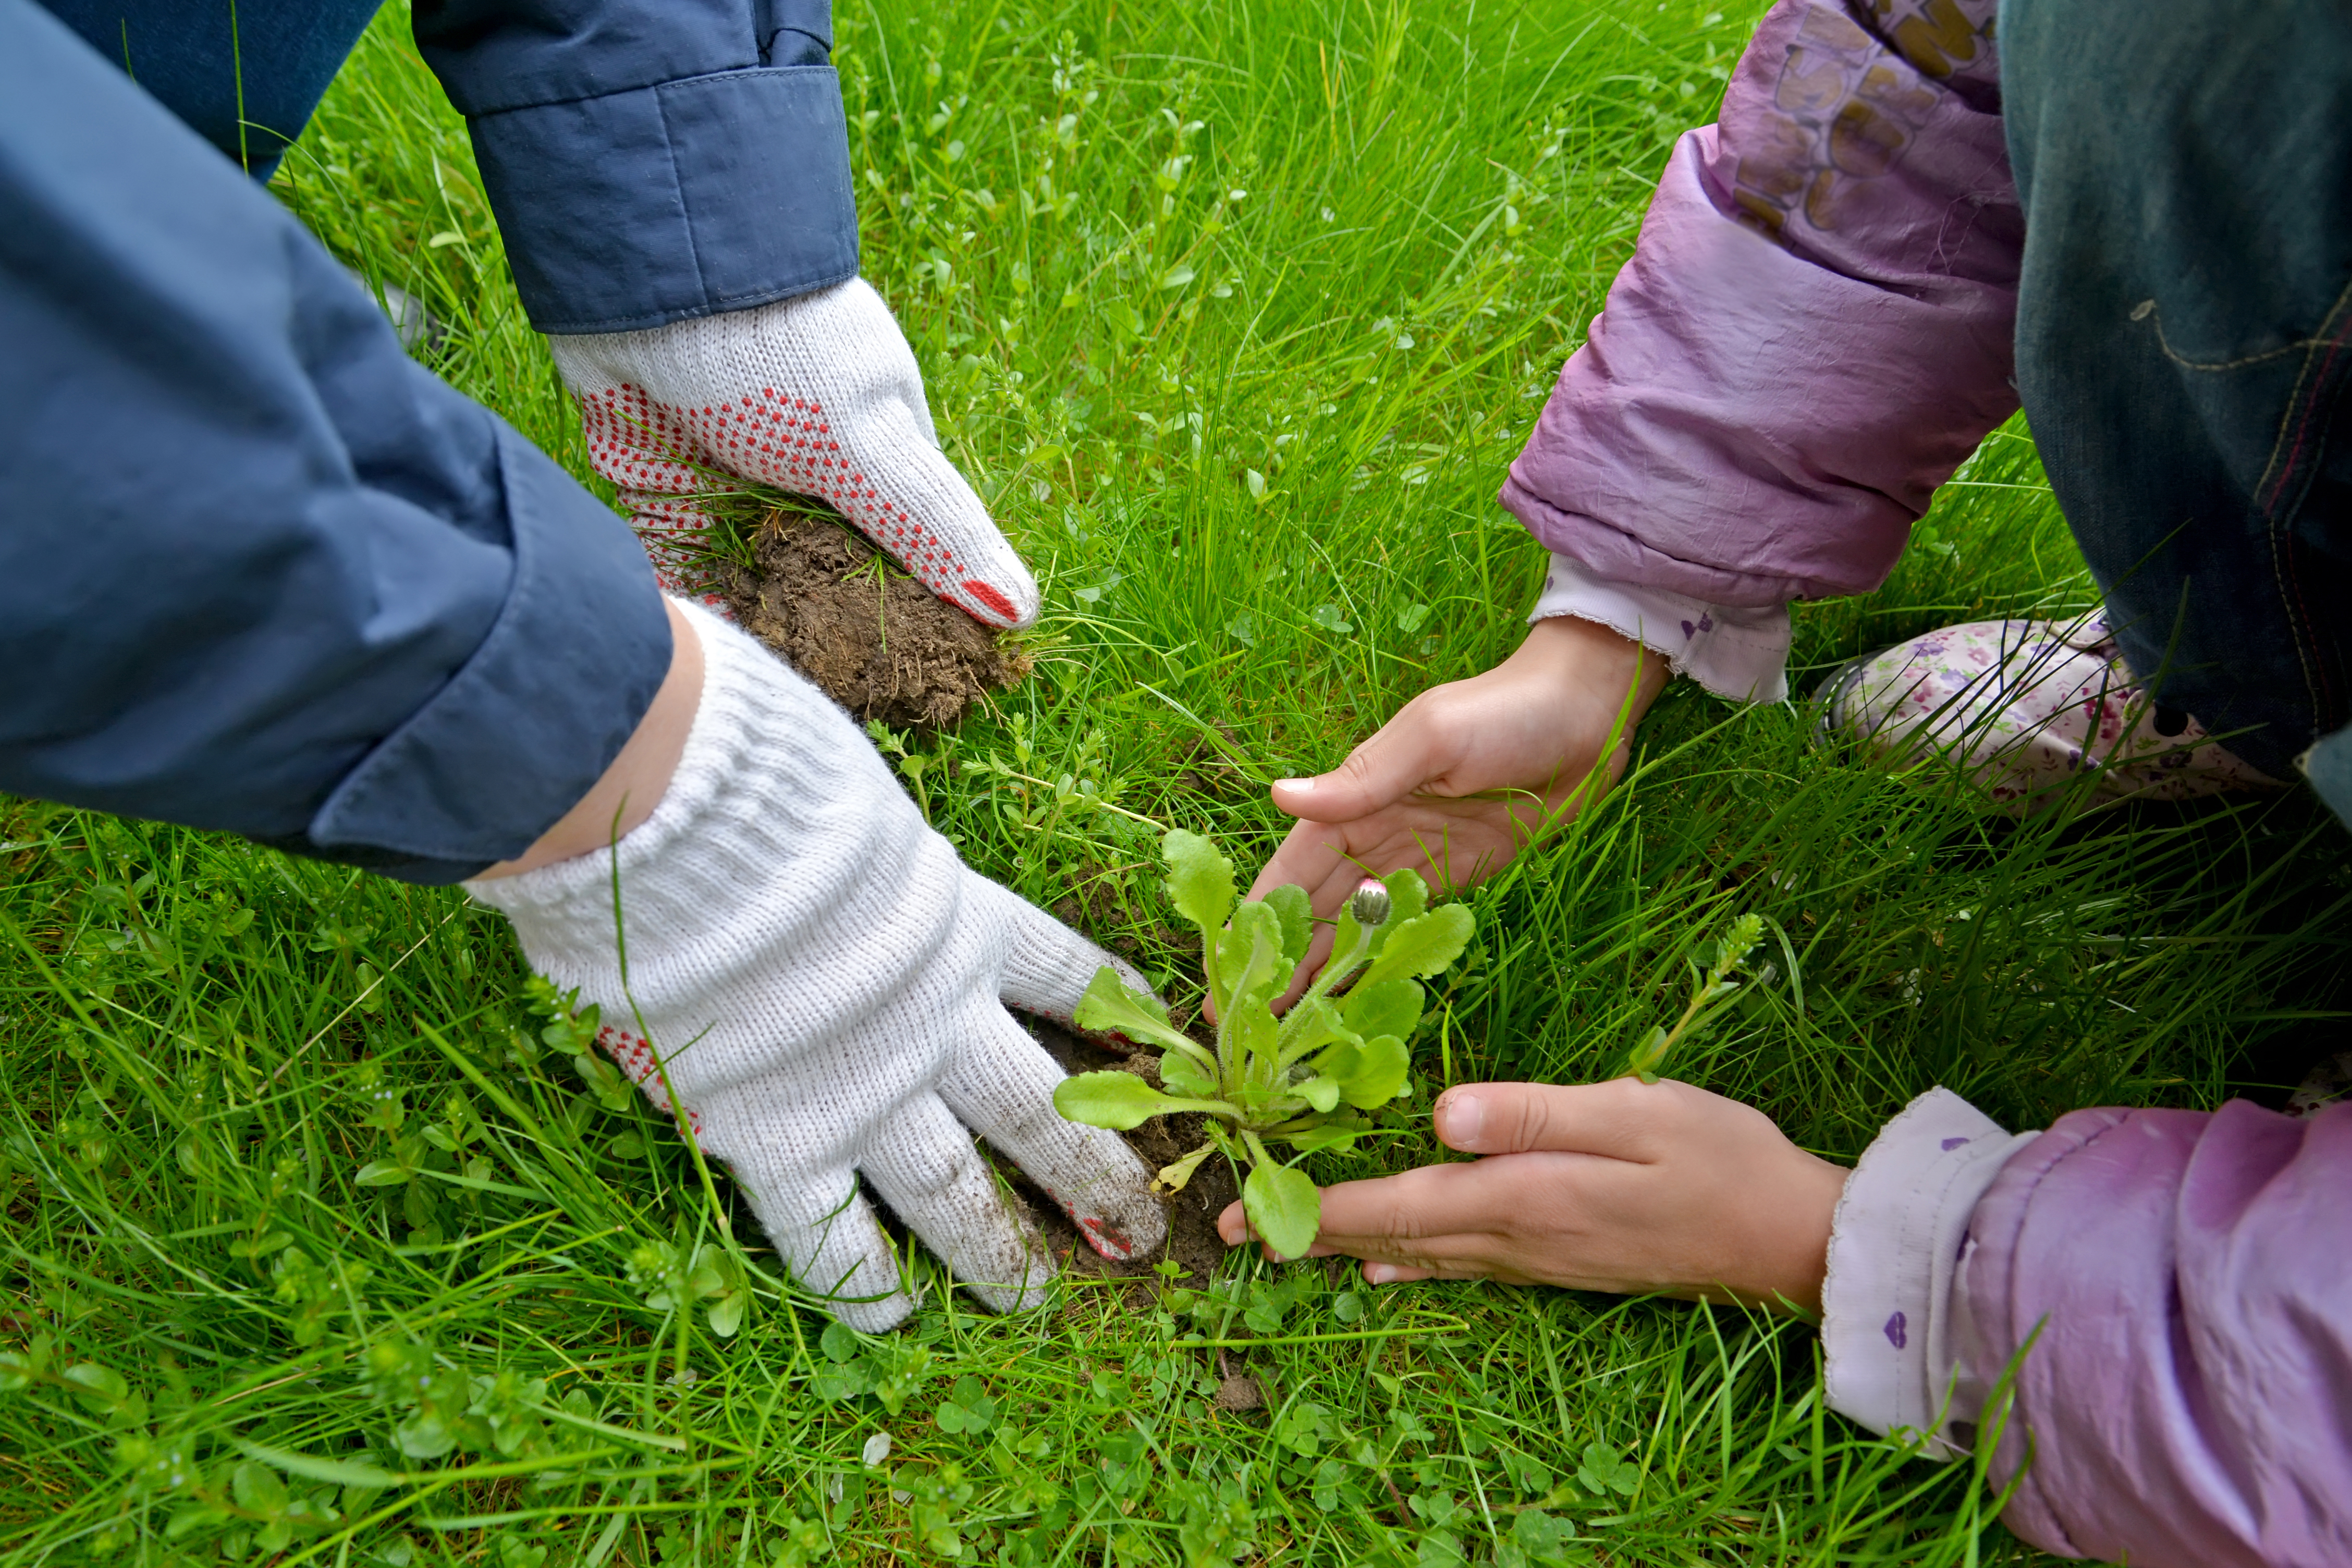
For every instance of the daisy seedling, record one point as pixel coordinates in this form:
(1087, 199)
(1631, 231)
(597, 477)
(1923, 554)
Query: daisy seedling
(1305, 1080)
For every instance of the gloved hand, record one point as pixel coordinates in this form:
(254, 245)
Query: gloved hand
(825, 984)
(817, 395)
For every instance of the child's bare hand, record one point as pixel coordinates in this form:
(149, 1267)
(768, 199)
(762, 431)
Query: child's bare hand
(1620, 1187)
(1468, 774)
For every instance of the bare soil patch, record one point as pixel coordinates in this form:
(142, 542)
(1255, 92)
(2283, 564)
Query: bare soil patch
(874, 639)
(1192, 1239)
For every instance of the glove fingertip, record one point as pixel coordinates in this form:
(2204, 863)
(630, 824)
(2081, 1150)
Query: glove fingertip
(1010, 610)
(1013, 611)
(1123, 1238)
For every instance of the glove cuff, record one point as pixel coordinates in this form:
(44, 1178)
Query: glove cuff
(779, 824)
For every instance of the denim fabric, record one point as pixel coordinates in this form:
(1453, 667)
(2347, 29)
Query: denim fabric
(2184, 336)
(260, 570)
(203, 60)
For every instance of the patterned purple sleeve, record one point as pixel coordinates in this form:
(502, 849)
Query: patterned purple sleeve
(2188, 1398)
(1814, 329)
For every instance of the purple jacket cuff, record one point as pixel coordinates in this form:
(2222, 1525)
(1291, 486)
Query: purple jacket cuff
(2190, 1278)
(1887, 1319)
(1740, 654)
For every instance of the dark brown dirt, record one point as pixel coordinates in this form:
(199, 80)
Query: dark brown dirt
(1192, 1239)
(1098, 910)
(873, 638)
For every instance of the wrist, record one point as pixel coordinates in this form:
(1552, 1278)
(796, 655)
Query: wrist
(1571, 654)
(633, 785)
(1803, 1253)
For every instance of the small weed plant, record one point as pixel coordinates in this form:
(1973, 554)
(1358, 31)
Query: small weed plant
(1306, 1078)
(1713, 988)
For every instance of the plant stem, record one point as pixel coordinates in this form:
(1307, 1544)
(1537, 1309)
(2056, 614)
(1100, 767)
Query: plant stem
(1096, 801)
(1207, 1107)
(1700, 998)
(1713, 985)
(1334, 971)
(1175, 1039)
(1214, 981)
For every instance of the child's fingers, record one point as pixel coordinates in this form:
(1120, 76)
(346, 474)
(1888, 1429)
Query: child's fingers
(1426, 1217)
(1395, 1274)
(1402, 756)
(1317, 856)
(1318, 953)
(1619, 1119)
(1319, 859)
(1432, 1216)
(1464, 1257)
(1233, 1229)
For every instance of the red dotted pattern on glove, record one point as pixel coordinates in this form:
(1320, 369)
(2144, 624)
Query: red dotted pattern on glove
(644, 447)
(634, 1054)
(1103, 1237)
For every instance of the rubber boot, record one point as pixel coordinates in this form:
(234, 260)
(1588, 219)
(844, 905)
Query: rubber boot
(2028, 707)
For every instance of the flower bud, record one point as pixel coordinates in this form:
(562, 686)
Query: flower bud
(1369, 904)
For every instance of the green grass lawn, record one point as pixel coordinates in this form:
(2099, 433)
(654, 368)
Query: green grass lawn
(322, 1246)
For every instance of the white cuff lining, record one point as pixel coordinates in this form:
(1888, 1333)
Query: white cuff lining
(1741, 653)
(1895, 1250)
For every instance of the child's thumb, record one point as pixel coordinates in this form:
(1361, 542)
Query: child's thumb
(1377, 774)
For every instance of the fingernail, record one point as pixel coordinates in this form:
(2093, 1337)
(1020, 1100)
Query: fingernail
(1294, 784)
(1380, 1273)
(1462, 1115)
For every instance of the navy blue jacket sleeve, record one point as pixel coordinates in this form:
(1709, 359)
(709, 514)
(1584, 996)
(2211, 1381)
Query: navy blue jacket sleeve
(258, 570)
(653, 160)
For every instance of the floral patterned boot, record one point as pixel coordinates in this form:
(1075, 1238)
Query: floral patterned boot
(2029, 705)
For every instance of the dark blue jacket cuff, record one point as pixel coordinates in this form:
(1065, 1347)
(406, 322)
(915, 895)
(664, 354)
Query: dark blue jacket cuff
(708, 194)
(547, 699)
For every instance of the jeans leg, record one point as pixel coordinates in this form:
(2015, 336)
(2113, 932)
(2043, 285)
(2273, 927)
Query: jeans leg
(2184, 335)
(202, 58)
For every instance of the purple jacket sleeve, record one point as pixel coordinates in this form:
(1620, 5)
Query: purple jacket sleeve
(1815, 328)
(2188, 1397)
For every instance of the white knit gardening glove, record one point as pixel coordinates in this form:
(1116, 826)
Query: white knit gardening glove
(817, 395)
(825, 984)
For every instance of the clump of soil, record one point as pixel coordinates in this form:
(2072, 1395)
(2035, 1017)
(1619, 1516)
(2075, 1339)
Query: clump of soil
(872, 637)
(1237, 1393)
(1192, 1239)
